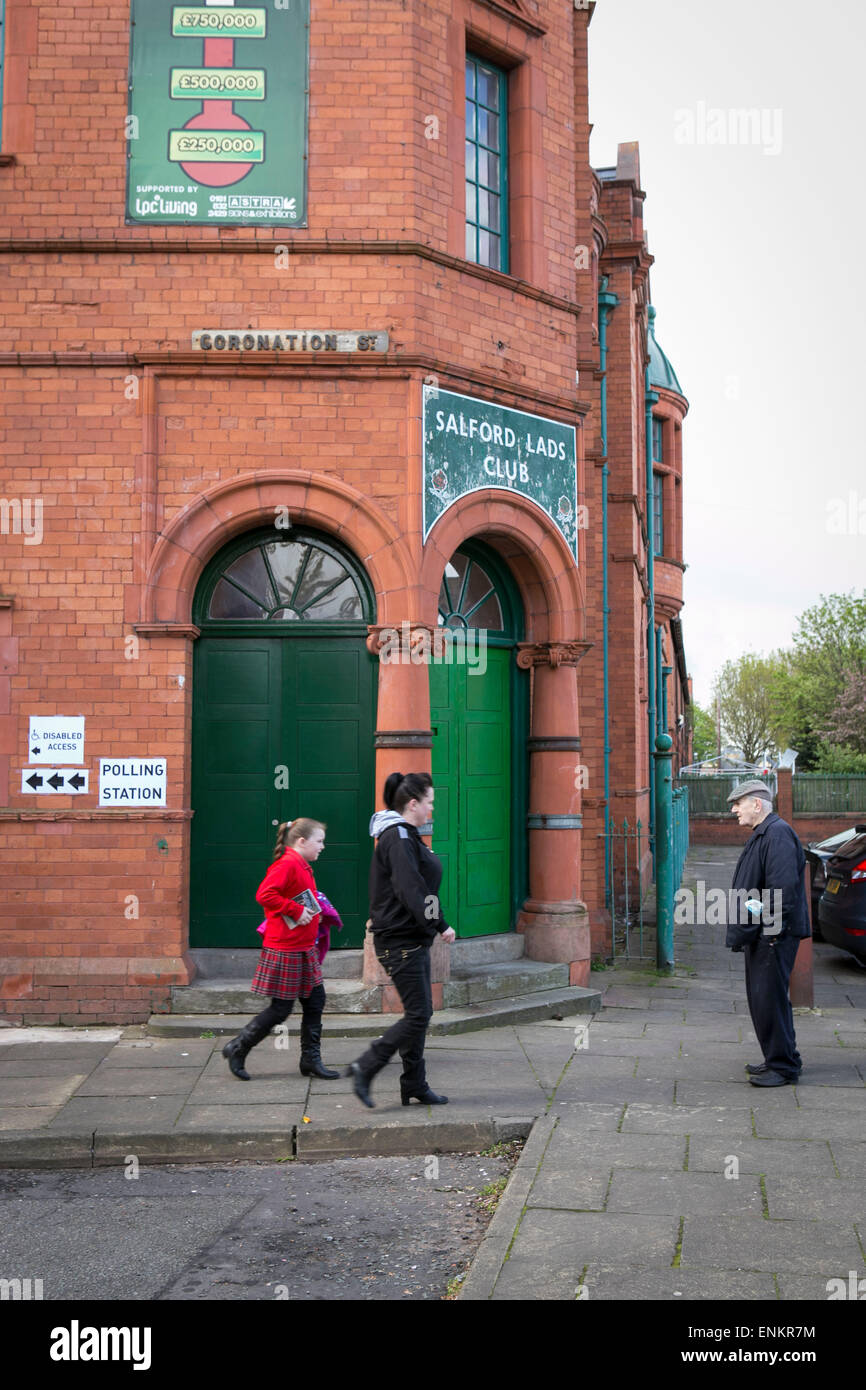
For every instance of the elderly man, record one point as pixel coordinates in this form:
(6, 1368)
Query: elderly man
(769, 876)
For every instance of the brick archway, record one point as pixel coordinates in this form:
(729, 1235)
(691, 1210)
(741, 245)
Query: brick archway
(550, 584)
(215, 517)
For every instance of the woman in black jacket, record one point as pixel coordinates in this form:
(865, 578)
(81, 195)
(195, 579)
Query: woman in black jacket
(406, 915)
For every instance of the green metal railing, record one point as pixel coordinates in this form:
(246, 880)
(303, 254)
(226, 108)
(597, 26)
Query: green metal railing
(820, 792)
(680, 831)
(708, 793)
(627, 851)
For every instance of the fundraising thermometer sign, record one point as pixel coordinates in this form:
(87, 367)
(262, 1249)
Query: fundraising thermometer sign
(471, 444)
(217, 126)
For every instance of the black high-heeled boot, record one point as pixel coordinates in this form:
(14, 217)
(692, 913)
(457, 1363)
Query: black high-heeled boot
(426, 1097)
(311, 1063)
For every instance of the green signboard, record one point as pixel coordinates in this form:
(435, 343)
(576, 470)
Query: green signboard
(471, 444)
(217, 126)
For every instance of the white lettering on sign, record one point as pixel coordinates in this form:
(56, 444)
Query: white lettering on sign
(56, 738)
(132, 781)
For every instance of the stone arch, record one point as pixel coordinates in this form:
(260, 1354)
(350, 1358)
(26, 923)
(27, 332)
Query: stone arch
(544, 569)
(216, 516)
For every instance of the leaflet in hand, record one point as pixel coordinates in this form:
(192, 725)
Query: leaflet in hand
(308, 899)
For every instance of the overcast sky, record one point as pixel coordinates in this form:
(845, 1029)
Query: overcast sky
(758, 289)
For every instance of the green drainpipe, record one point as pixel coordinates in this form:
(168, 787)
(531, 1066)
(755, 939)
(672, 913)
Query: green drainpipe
(650, 399)
(607, 302)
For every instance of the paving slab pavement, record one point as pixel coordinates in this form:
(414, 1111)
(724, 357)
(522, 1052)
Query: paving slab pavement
(651, 1169)
(658, 1172)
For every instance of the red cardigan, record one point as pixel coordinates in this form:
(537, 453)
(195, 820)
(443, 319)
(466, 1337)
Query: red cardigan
(286, 876)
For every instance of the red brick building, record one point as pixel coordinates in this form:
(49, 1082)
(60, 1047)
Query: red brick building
(231, 538)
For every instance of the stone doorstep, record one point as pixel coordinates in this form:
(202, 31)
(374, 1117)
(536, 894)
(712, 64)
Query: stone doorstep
(473, 985)
(533, 1008)
(237, 963)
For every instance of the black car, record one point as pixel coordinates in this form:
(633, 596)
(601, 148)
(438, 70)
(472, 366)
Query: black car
(842, 906)
(817, 855)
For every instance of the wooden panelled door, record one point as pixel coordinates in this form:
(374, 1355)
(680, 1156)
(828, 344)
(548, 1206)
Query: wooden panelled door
(473, 728)
(283, 720)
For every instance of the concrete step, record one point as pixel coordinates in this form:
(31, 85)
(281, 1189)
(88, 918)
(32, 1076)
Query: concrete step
(556, 1003)
(236, 964)
(486, 950)
(505, 980)
(226, 996)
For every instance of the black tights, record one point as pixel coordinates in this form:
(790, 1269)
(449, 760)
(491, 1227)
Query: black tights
(279, 1009)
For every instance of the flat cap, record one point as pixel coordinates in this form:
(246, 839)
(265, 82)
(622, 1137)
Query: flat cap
(752, 788)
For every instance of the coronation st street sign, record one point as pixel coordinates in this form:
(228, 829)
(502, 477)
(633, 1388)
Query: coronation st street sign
(471, 444)
(288, 340)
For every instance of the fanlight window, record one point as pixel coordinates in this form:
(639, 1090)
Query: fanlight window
(468, 597)
(286, 581)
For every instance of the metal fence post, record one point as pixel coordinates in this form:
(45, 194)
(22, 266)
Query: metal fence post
(664, 854)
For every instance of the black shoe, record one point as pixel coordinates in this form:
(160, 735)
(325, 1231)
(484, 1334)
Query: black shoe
(773, 1078)
(426, 1097)
(311, 1063)
(756, 1068)
(361, 1084)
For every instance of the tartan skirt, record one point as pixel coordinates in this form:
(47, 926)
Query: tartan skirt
(287, 974)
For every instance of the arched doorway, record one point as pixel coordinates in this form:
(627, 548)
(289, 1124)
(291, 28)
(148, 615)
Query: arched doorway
(478, 714)
(283, 719)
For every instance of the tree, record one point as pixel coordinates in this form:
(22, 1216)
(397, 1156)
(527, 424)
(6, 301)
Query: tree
(744, 688)
(703, 727)
(817, 688)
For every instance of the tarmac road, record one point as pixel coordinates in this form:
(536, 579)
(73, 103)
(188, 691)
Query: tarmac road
(247, 1231)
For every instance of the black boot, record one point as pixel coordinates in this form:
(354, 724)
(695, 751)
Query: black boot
(236, 1050)
(311, 1063)
(425, 1096)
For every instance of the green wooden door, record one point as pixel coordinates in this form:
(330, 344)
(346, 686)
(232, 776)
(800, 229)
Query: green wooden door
(283, 727)
(283, 720)
(237, 736)
(471, 720)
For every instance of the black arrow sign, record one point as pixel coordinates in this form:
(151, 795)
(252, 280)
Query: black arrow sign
(34, 781)
(76, 781)
(56, 781)
(34, 750)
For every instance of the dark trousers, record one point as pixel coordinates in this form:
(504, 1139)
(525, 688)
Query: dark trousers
(768, 970)
(279, 1009)
(410, 971)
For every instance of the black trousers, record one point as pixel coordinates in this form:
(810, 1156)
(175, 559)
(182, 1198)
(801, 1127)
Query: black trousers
(279, 1009)
(409, 968)
(769, 963)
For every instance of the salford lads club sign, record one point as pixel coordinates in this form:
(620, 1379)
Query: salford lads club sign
(471, 444)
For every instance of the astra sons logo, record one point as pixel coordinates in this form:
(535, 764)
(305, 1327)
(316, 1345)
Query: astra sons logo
(77, 1343)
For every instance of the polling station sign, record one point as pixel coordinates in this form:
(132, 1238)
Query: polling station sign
(471, 444)
(217, 124)
(132, 782)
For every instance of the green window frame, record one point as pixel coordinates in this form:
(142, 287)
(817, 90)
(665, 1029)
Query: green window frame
(658, 440)
(658, 513)
(486, 164)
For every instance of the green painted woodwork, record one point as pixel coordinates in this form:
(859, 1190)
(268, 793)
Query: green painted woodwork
(471, 718)
(479, 759)
(283, 720)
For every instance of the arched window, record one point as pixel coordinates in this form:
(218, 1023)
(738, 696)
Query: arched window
(295, 579)
(468, 596)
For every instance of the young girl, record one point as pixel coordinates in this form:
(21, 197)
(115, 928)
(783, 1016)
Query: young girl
(289, 966)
